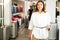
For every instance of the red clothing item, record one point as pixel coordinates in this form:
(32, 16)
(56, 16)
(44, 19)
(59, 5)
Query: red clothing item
(18, 8)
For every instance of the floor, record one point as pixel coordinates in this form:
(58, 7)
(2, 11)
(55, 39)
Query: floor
(22, 35)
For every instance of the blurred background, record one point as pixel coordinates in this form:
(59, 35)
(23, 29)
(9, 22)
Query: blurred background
(14, 18)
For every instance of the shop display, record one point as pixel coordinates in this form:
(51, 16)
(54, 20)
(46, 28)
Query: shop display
(21, 9)
(14, 31)
(14, 9)
(16, 17)
(17, 9)
(4, 33)
(13, 19)
(18, 14)
(22, 21)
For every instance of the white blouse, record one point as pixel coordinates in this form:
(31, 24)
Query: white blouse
(38, 20)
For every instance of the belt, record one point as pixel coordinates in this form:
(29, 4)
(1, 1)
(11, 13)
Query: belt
(41, 27)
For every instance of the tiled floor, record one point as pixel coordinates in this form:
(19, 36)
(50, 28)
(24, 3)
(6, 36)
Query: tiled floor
(22, 35)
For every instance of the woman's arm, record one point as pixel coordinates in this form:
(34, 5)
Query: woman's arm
(49, 22)
(30, 28)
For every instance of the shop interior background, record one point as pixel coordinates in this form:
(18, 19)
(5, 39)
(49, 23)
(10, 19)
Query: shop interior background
(14, 24)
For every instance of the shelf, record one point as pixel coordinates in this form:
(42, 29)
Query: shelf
(1, 3)
(17, 14)
(1, 18)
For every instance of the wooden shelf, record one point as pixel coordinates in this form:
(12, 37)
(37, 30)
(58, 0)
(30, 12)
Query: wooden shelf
(1, 3)
(17, 14)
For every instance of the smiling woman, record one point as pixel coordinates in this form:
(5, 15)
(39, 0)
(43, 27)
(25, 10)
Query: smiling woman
(40, 23)
(40, 5)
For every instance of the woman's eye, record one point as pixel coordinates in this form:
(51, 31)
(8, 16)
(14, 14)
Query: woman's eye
(40, 5)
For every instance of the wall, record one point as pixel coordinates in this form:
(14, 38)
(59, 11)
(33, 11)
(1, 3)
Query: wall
(0, 1)
(18, 2)
(59, 6)
(0, 12)
(27, 6)
(51, 8)
(7, 12)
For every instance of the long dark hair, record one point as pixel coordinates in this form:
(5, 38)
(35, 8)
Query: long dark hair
(43, 6)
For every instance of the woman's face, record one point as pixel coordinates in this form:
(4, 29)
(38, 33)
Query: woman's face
(40, 6)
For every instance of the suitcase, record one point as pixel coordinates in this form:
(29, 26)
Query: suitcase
(5, 33)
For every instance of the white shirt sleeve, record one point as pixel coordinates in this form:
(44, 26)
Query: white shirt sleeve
(31, 23)
(49, 19)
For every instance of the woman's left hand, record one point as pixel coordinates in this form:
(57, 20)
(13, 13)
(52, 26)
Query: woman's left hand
(48, 27)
